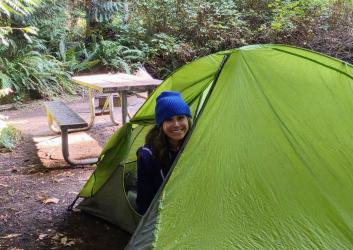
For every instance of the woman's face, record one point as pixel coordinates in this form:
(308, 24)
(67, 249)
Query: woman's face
(176, 128)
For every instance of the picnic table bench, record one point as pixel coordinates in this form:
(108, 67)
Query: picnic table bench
(67, 121)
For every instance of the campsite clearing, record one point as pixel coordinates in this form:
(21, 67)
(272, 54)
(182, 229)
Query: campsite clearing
(36, 186)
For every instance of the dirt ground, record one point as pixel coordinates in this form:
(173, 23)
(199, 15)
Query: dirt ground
(37, 186)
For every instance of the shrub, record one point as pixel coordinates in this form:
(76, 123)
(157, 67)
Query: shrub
(9, 136)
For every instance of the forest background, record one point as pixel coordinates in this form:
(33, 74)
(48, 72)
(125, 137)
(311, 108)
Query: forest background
(44, 42)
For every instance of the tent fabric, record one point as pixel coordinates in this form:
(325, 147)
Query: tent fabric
(108, 203)
(190, 80)
(113, 153)
(269, 161)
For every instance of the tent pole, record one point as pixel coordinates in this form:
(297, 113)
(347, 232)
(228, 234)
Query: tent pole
(225, 58)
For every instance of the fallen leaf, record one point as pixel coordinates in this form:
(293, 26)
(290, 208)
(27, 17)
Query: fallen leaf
(63, 240)
(57, 236)
(11, 192)
(70, 243)
(42, 197)
(67, 241)
(51, 200)
(45, 199)
(10, 236)
(42, 236)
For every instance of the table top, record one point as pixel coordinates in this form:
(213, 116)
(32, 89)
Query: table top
(113, 83)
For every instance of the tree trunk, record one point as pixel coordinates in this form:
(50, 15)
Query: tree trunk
(91, 24)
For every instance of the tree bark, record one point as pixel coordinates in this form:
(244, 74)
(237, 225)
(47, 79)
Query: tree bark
(91, 24)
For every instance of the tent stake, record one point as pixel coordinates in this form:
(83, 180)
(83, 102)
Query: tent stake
(69, 208)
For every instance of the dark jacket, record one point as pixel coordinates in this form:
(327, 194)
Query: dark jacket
(150, 176)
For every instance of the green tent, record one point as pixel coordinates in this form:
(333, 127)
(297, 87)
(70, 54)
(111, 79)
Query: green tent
(268, 163)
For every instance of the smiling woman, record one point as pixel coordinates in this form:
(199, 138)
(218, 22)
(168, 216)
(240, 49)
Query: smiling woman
(175, 128)
(163, 142)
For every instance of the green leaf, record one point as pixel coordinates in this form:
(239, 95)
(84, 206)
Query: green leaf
(31, 30)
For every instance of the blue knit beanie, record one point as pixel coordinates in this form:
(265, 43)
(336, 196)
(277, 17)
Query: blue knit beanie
(169, 104)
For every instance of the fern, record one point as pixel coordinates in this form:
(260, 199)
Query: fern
(118, 57)
(102, 11)
(31, 70)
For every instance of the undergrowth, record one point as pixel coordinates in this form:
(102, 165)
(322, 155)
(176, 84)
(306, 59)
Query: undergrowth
(9, 136)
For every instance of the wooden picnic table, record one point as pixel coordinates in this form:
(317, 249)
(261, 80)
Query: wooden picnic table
(113, 84)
